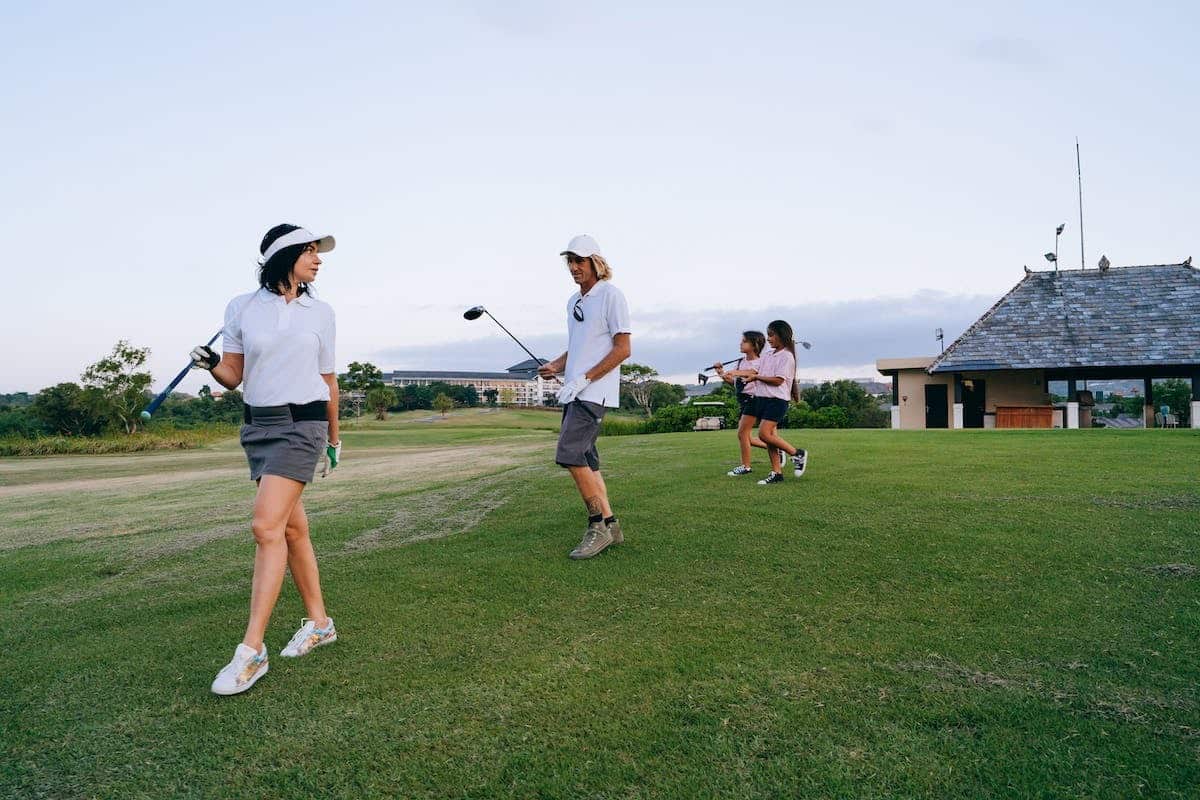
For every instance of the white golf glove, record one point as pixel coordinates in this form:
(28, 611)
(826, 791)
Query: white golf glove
(571, 389)
(333, 457)
(204, 357)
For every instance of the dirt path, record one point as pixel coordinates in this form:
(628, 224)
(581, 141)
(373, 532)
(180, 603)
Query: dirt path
(364, 464)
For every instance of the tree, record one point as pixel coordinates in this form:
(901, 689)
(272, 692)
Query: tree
(638, 380)
(443, 403)
(666, 394)
(862, 409)
(230, 407)
(508, 396)
(65, 409)
(1175, 393)
(379, 399)
(360, 378)
(120, 385)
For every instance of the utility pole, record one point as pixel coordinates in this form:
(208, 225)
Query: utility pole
(1079, 175)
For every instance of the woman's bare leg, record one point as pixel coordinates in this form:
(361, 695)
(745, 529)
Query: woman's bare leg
(302, 561)
(273, 505)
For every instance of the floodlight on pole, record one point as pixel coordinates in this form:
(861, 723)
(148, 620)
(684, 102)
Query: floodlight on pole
(1057, 233)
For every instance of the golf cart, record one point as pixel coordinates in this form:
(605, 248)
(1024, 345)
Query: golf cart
(709, 423)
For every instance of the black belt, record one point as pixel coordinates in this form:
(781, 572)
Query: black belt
(316, 411)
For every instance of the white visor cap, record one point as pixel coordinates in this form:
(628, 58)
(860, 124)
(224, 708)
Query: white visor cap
(582, 246)
(298, 236)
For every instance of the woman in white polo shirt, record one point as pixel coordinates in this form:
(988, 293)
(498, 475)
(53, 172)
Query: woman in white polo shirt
(279, 343)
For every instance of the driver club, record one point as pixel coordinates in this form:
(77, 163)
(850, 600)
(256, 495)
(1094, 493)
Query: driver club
(478, 311)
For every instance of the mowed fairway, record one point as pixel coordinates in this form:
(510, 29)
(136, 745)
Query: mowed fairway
(941, 614)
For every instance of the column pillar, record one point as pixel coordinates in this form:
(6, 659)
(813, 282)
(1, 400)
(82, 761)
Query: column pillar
(1072, 415)
(957, 422)
(1148, 407)
(1194, 417)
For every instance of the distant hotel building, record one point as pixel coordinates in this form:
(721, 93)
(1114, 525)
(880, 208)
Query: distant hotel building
(527, 387)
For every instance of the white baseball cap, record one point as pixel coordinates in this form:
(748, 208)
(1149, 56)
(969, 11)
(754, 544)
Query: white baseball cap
(582, 246)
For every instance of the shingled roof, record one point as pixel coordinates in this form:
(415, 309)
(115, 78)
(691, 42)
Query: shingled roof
(1122, 317)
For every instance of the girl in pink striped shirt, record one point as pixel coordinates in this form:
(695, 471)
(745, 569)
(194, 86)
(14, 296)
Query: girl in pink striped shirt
(774, 383)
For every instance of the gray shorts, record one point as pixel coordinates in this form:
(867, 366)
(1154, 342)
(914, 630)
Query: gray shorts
(276, 445)
(577, 437)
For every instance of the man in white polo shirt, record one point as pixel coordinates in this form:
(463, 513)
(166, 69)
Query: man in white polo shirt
(598, 341)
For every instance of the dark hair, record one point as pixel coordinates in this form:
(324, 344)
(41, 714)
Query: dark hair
(275, 272)
(756, 340)
(784, 332)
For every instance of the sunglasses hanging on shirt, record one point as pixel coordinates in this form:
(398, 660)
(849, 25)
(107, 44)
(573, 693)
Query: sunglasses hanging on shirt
(577, 311)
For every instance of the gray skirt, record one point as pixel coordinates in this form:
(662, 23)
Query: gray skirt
(276, 445)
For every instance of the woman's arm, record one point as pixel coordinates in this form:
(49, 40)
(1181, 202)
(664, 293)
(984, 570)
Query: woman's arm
(228, 371)
(335, 432)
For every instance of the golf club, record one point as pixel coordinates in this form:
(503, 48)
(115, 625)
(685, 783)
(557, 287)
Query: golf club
(478, 311)
(158, 401)
(702, 379)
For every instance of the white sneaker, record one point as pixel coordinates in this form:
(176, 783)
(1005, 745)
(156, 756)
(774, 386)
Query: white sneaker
(242, 672)
(740, 469)
(800, 462)
(308, 637)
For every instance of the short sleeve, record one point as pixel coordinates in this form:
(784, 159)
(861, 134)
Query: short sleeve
(616, 313)
(231, 332)
(325, 358)
(789, 367)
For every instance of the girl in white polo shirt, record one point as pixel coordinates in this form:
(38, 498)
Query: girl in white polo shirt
(775, 385)
(279, 343)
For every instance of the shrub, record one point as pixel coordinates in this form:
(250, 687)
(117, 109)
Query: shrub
(20, 422)
(828, 417)
(144, 441)
(674, 419)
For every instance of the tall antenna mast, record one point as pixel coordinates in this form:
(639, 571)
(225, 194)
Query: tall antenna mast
(1079, 174)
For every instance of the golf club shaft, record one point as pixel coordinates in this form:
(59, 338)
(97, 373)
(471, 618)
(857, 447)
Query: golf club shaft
(515, 339)
(723, 364)
(158, 401)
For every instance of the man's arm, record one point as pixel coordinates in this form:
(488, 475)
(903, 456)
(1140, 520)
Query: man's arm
(621, 350)
(552, 368)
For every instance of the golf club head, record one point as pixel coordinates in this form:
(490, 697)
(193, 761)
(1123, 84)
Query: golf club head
(473, 313)
(806, 345)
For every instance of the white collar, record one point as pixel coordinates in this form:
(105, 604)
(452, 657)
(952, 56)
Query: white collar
(267, 296)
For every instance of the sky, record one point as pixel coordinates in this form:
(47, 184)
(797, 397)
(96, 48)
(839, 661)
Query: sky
(868, 172)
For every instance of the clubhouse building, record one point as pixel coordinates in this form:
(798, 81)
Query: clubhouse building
(1111, 323)
(520, 382)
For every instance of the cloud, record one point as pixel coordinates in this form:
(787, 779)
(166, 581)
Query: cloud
(522, 18)
(1007, 51)
(844, 335)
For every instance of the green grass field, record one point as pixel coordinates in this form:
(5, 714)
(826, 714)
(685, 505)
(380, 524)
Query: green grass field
(926, 614)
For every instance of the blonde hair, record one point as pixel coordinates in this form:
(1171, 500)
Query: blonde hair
(603, 270)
